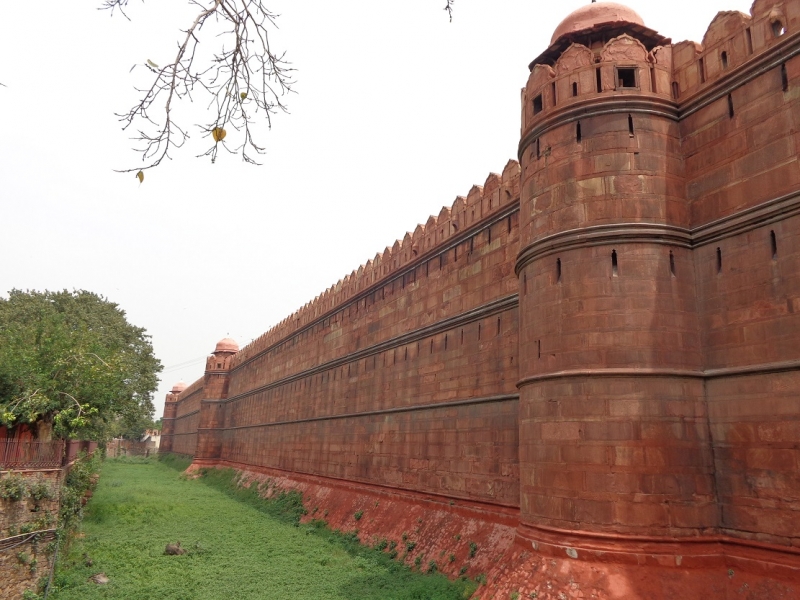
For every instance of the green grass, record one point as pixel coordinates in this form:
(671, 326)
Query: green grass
(238, 546)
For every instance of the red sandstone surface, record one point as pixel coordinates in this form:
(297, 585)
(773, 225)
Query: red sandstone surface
(591, 364)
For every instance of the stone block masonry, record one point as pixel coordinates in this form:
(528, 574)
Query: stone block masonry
(599, 348)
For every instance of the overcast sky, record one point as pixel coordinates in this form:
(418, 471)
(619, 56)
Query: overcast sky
(397, 112)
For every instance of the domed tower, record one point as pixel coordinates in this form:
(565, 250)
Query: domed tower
(212, 406)
(613, 431)
(168, 420)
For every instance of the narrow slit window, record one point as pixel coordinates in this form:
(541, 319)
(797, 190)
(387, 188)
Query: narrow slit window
(498, 325)
(574, 88)
(773, 241)
(538, 149)
(731, 112)
(539, 347)
(538, 105)
(784, 78)
(777, 28)
(524, 284)
(626, 78)
(630, 126)
(599, 77)
(671, 263)
(462, 336)
(701, 67)
(553, 91)
(445, 341)
(719, 260)
(558, 270)
(578, 135)
(614, 264)
(748, 37)
(653, 86)
(723, 58)
(479, 331)
(676, 90)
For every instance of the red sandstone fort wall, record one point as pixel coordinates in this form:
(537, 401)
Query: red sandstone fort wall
(403, 375)
(604, 341)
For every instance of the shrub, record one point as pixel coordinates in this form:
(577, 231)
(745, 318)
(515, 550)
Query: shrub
(12, 487)
(41, 490)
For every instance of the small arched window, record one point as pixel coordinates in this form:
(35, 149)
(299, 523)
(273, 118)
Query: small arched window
(724, 59)
(778, 28)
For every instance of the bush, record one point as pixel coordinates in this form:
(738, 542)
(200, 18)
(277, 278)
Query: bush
(81, 478)
(41, 490)
(13, 487)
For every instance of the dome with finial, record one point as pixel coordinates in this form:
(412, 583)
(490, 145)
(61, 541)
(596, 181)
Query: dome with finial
(594, 14)
(178, 387)
(226, 345)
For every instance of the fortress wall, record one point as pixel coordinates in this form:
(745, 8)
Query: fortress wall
(434, 275)
(740, 143)
(751, 326)
(187, 419)
(742, 154)
(411, 380)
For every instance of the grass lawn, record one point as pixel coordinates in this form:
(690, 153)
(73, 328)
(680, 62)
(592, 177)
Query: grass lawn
(235, 548)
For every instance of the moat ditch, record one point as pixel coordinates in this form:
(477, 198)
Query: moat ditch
(235, 545)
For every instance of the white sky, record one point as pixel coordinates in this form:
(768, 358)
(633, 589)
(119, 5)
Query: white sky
(398, 111)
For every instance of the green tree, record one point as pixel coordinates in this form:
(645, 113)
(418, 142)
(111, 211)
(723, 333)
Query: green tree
(71, 363)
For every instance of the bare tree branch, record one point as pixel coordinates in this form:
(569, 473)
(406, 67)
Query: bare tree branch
(448, 7)
(243, 78)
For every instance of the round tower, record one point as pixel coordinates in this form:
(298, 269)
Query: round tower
(168, 420)
(212, 406)
(613, 431)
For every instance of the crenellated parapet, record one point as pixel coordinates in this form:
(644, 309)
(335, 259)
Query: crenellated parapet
(466, 213)
(733, 40)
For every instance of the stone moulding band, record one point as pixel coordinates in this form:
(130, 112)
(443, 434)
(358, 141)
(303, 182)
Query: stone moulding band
(743, 221)
(600, 107)
(777, 209)
(602, 235)
(452, 242)
(189, 414)
(487, 310)
(503, 513)
(762, 369)
(385, 411)
(685, 552)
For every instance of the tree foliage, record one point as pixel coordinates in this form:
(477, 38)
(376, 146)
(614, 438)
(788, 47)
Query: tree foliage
(72, 361)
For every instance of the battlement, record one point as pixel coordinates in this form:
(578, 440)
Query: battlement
(733, 39)
(480, 204)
